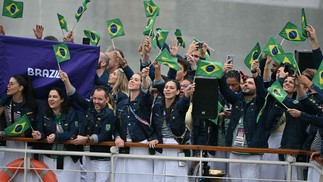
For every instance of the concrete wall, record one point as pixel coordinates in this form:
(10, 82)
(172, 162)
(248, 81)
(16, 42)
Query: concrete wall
(228, 27)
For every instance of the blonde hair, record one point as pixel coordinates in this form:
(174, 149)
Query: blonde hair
(121, 84)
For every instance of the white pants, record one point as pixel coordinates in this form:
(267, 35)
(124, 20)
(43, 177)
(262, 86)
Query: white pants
(169, 171)
(313, 175)
(128, 170)
(97, 171)
(244, 170)
(64, 174)
(273, 171)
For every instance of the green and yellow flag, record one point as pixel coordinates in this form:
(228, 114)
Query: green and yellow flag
(209, 69)
(273, 48)
(286, 58)
(150, 25)
(86, 1)
(115, 28)
(160, 38)
(18, 127)
(253, 55)
(151, 8)
(79, 12)
(292, 33)
(180, 38)
(318, 77)
(62, 22)
(12, 9)
(304, 23)
(93, 36)
(277, 91)
(166, 59)
(61, 52)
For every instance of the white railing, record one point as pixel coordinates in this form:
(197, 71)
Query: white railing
(288, 163)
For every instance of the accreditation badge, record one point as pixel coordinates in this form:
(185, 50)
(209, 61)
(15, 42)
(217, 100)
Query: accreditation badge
(107, 127)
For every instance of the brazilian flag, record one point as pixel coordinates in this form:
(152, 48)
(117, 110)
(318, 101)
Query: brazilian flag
(62, 53)
(277, 91)
(18, 127)
(150, 25)
(180, 38)
(286, 58)
(292, 33)
(166, 59)
(86, 1)
(209, 69)
(151, 8)
(79, 12)
(273, 48)
(115, 28)
(12, 9)
(93, 36)
(62, 22)
(318, 77)
(304, 23)
(160, 38)
(253, 55)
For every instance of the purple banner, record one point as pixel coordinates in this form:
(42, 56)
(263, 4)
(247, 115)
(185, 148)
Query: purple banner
(36, 58)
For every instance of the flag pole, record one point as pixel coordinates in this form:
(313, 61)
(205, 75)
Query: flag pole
(281, 43)
(74, 25)
(63, 33)
(155, 58)
(114, 47)
(284, 105)
(59, 66)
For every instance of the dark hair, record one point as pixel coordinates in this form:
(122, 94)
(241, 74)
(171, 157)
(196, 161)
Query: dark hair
(104, 88)
(65, 105)
(178, 87)
(185, 65)
(27, 92)
(50, 37)
(233, 74)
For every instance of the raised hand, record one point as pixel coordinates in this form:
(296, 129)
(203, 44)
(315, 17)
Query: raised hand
(38, 31)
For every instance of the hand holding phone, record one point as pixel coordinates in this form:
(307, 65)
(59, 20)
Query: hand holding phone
(230, 59)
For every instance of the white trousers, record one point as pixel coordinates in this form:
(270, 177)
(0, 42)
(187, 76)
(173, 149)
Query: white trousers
(244, 170)
(97, 171)
(64, 174)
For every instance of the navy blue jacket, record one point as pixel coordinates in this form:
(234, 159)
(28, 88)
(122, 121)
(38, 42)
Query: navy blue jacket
(176, 119)
(249, 112)
(141, 106)
(93, 123)
(317, 57)
(46, 125)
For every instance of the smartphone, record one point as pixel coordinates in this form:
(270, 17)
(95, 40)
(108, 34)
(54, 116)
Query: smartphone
(230, 59)
(86, 41)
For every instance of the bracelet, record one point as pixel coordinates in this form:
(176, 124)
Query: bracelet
(146, 55)
(254, 71)
(266, 68)
(87, 139)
